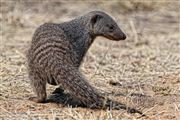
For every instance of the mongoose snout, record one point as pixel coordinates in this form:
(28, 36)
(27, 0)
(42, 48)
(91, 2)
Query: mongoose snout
(117, 35)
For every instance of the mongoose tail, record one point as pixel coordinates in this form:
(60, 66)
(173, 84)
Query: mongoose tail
(110, 104)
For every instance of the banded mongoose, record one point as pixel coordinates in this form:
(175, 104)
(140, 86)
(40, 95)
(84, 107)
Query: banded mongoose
(56, 53)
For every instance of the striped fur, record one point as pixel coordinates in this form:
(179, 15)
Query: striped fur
(56, 53)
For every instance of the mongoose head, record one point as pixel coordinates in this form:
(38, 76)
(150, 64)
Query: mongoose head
(103, 25)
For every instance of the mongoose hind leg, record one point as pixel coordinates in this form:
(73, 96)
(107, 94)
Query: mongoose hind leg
(39, 87)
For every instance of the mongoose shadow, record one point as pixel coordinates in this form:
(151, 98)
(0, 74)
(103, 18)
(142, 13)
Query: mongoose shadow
(56, 53)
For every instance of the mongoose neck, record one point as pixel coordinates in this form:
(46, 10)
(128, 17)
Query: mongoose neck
(79, 34)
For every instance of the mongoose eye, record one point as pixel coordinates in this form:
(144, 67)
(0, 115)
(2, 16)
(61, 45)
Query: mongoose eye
(111, 28)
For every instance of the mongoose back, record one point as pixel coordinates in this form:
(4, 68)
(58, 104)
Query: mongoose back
(56, 53)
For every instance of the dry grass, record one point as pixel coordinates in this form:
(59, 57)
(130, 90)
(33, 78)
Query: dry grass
(143, 71)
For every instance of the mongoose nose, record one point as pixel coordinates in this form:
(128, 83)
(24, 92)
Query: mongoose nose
(123, 37)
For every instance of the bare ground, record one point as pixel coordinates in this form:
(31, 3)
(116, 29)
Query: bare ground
(142, 72)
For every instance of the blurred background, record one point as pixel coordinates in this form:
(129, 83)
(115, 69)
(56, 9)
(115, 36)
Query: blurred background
(147, 62)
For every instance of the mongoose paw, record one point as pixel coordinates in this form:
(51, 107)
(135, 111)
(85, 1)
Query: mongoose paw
(37, 100)
(58, 91)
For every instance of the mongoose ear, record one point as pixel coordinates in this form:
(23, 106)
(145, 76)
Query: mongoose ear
(95, 18)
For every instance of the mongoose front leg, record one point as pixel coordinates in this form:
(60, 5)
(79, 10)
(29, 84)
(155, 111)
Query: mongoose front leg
(78, 86)
(39, 88)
